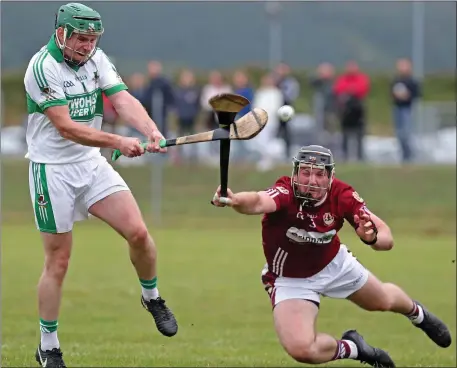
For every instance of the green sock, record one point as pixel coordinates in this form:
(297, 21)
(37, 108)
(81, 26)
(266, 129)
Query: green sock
(48, 326)
(149, 289)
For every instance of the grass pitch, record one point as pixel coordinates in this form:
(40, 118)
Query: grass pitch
(209, 267)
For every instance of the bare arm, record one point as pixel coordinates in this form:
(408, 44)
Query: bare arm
(133, 112)
(253, 203)
(79, 133)
(385, 239)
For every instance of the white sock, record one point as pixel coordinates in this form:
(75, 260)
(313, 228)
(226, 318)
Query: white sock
(49, 340)
(353, 353)
(420, 316)
(149, 294)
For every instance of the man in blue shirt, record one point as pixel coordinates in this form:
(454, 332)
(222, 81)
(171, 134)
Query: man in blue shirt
(405, 90)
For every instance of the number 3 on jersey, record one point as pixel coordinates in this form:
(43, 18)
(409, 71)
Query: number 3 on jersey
(312, 224)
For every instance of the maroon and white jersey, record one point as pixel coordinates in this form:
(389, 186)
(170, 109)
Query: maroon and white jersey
(300, 242)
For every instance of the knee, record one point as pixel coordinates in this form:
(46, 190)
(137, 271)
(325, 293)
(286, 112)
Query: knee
(56, 266)
(302, 352)
(384, 302)
(138, 237)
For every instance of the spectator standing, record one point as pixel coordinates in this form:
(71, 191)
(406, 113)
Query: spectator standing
(351, 90)
(324, 101)
(215, 86)
(290, 89)
(187, 104)
(267, 144)
(405, 91)
(158, 96)
(242, 87)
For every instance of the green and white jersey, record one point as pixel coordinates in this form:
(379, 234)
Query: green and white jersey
(50, 81)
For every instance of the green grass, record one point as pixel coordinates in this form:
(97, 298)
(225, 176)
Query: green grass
(209, 265)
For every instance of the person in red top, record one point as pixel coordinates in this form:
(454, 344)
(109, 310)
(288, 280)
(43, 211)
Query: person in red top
(353, 82)
(302, 215)
(350, 90)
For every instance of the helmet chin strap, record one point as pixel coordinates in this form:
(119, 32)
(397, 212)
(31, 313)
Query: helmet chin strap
(312, 202)
(60, 44)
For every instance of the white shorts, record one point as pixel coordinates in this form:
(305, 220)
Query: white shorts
(343, 276)
(62, 194)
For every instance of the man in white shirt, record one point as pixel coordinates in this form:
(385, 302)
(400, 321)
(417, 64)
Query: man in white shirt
(69, 178)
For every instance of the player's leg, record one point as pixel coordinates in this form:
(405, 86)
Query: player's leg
(120, 211)
(344, 276)
(295, 313)
(294, 321)
(57, 250)
(378, 296)
(110, 200)
(53, 203)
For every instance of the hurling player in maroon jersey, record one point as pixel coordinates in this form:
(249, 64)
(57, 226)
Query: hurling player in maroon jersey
(305, 259)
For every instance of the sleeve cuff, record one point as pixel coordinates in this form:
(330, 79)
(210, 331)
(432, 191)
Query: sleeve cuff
(115, 89)
(52, 103)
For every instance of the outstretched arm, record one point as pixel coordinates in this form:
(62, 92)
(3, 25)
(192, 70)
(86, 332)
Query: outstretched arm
(253, 203)
(247, 203)
(127, 106)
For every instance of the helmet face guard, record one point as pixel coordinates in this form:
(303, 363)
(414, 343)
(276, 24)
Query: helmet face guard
(77, 19)
(311, 158)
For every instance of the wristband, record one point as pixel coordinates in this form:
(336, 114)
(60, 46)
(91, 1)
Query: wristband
(374, 240)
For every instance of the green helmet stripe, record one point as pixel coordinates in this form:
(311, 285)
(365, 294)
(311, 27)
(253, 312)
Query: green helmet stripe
(38, 71)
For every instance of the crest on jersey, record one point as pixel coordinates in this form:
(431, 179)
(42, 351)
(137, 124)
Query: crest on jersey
(41, 201)
(282, 190)
(328, 218)
(357, 197)
(47, 92)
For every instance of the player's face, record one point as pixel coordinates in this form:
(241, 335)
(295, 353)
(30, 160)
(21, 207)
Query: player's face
(80, 46)
(313, 181)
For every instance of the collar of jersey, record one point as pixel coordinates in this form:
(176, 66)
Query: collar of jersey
(56, 53)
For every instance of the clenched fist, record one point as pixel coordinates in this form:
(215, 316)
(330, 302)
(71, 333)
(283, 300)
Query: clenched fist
(219, 201)
(154, 140)
(130, 147)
